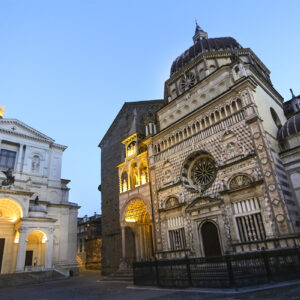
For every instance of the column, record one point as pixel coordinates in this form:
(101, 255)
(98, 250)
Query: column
(141, 242)
(49, 250)
(21, 251)
(123, 243)
(19, 164)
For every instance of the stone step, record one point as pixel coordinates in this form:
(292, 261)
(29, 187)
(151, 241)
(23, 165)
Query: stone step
(17, 279)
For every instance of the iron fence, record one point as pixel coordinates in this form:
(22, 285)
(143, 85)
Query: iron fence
(236, 270)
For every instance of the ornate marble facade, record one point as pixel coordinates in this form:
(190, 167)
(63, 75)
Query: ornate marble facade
(216, 181)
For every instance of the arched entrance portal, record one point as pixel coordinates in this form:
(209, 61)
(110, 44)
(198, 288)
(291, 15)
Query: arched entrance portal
(210, 239)
(10, 214)
(136, 233)
(35, 249)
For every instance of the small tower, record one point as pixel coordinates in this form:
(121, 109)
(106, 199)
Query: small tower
(199, 34)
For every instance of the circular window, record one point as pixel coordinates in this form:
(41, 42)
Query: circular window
(203, 172)
(187, 82)
(199, 171)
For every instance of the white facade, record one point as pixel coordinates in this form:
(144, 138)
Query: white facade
(39, 234)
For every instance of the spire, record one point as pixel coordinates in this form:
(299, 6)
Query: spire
(133, 125)
(293, 96)
(199, 33)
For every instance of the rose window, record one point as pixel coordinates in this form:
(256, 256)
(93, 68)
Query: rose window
(187, 82)
(203, 172)
(199, 171)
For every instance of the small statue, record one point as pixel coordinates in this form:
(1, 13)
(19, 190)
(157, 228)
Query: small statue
(9, 178)
(36, 200)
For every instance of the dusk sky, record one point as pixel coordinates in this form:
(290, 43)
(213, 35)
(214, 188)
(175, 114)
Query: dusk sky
(67, 67)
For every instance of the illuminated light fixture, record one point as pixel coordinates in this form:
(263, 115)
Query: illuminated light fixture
(130, 220)
(44, 239)
(17, 237)
(13, 220)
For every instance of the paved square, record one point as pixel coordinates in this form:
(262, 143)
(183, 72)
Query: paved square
(89, 286)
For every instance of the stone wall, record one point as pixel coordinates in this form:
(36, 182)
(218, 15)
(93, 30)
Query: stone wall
(112, 154)
(93, 254)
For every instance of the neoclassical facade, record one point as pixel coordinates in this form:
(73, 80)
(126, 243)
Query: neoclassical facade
(216, 182)
(38, 224)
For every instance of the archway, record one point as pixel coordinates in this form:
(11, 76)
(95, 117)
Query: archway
(35, 249)
(10, 214)
(210, 239)
(136, 232)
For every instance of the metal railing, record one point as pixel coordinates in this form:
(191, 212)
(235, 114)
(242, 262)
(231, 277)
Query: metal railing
(227, 271)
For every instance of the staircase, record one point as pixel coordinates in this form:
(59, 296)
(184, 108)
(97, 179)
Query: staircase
(124, 275)
(16, 279)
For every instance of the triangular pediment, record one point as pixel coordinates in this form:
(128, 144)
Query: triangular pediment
(17, 127)
(202, 202)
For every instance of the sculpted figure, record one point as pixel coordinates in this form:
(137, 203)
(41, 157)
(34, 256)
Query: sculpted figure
(9, 178)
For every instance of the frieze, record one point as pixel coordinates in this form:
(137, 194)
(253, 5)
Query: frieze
(14, 192)
(202, 202)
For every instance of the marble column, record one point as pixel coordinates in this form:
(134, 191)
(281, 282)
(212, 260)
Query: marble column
(49, 251)
(21, 251)
(20, 154)
(123, 243)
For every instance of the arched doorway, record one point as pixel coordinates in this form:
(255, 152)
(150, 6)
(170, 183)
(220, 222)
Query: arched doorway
(10, 214)
(136, 233)
(210, 239)
(35, 249)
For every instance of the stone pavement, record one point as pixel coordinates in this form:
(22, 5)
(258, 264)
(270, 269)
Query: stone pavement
(89, 286)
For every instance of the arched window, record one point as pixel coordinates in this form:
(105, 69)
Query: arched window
(124, 182)
(131, 148)
(239, 103)
(234, 108)
(275, 117)
(223, 112)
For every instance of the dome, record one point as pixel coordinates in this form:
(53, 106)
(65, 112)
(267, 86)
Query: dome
(37, 208)
(290, 127)
(202, 45)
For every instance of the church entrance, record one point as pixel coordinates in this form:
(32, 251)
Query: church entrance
(136, 233)
(36, 249)
(210, 239)
(2, 242)
(28, 259)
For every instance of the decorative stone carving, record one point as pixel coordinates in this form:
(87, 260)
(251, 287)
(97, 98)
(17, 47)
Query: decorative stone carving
(10, 179)
(232, 148)
(275, 202)
(172, 202)
(239, 181)
(280, 218)
(264, 160)
(272, 187)
(167, 173)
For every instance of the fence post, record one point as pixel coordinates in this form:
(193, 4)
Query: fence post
(229, 270)
(156, 272)
(267, 265)
(188, 270)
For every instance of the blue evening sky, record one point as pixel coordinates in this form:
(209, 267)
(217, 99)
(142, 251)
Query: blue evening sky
(67, 67)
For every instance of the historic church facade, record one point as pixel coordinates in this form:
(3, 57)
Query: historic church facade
(210, 169)
(38, 224)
